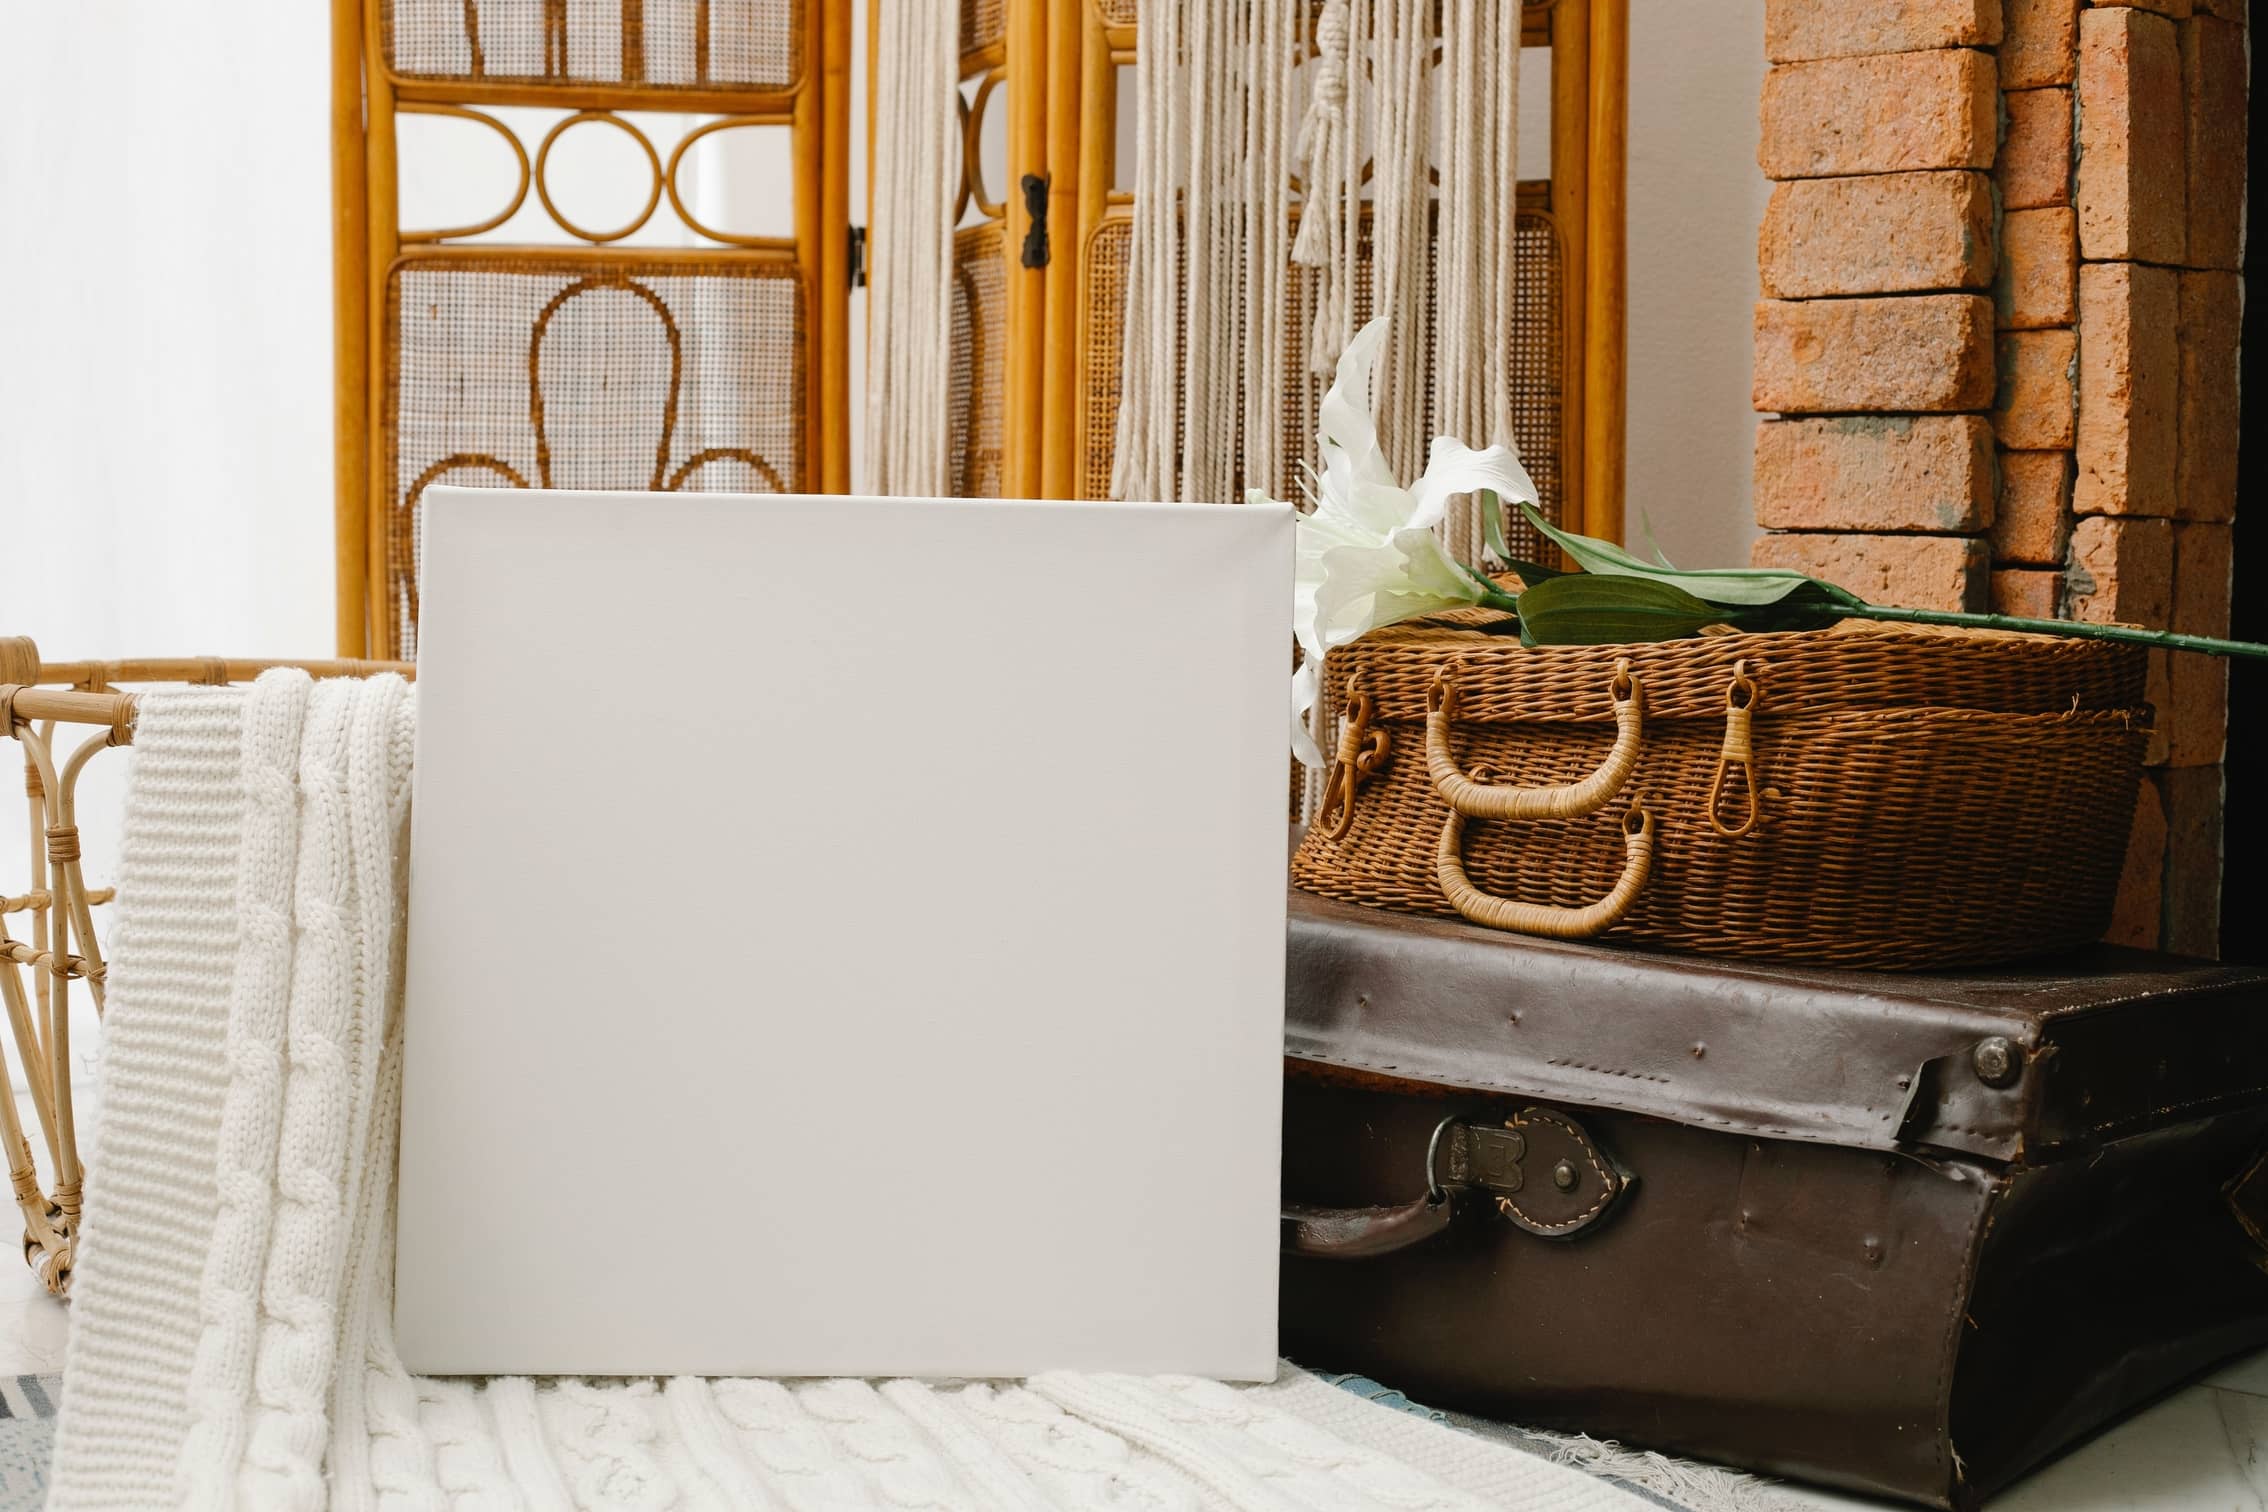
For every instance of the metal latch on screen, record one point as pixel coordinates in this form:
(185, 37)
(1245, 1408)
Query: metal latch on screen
(856, 259)
(1035, 206)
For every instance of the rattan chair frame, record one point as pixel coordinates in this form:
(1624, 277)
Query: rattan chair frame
(369, 95)
(64, 715)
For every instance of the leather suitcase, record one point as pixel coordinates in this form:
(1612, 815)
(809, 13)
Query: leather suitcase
(1906, 1234)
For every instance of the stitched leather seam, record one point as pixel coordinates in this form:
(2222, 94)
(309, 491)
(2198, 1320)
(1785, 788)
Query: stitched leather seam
(1607, 1070)
(1583, 1143)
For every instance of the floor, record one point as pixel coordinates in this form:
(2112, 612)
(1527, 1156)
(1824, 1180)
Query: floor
(2203, 1449)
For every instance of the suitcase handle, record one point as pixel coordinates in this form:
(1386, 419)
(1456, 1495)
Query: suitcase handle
(1540, 1169)
(1474, 799)
(1541, 918)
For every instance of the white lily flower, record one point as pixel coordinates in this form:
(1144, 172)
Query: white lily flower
(1367, 555)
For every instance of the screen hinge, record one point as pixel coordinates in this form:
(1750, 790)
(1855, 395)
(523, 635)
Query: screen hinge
(1035, 205)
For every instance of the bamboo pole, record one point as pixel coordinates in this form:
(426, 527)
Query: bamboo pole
(1604, 299)
(1570, 178)
(350, 331)
(833, 393)
(1059, 454)
(89, 701)
(1023, 413)
(810, 152)
(381, 243)
(92, 676)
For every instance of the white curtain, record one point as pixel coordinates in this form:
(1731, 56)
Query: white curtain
(165, 328)
(165, 349)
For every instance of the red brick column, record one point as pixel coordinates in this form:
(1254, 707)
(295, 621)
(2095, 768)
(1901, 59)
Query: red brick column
(1997, 344)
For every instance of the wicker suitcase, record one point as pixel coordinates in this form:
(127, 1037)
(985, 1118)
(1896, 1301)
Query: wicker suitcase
(1906, 1234)
(1873, 795)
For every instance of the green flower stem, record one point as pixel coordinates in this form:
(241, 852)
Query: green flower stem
(2131, 635)
(1491, 596)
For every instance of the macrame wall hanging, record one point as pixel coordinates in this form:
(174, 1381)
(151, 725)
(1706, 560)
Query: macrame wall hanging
(909, 279)
(1385, 132)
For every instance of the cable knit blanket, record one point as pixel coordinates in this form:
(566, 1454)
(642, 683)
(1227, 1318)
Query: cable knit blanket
(232, 1340)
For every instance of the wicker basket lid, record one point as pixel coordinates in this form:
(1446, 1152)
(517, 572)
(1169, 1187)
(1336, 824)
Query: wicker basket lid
(1855, 665)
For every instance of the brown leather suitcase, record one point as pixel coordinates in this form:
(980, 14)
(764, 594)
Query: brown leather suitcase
(1907, 1234)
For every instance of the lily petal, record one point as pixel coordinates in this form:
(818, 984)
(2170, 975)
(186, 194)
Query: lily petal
(1451, 467)
(1346, 434)
(1430, 570)
(1305, 688)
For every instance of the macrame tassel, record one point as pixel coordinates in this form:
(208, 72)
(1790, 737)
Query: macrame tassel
(909, 285)
(1270, 52)
(1142, 465)
(1323, 152)
(1212, 307)
(1401, 223)
(1475, 242)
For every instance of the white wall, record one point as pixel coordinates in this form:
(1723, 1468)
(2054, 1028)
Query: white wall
(1696, 199)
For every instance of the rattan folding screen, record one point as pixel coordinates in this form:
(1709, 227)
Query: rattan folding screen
(1038, 350)
(722, 365)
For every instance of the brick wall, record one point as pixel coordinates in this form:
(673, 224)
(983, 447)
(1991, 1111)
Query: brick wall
(1996, 351)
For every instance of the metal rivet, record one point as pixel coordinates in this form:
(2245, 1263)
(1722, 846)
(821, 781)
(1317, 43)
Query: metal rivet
(1563, 1176)
(1995, 1060)
(1700, 1048)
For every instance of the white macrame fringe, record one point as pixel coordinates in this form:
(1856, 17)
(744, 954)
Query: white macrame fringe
(1479, 77)
(1402, 96)
(910, 276)
(1411, 110)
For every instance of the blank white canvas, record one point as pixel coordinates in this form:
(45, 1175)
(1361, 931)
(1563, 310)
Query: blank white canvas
(846, 937)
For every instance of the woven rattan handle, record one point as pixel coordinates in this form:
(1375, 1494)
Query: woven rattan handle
(1362, 752)
(1542, 919)
(1477, 800)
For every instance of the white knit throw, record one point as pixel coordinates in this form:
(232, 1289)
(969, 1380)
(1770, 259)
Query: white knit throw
(232, 1344)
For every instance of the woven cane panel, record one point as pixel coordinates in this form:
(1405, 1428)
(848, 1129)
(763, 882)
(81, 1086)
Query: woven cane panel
(1103, 313)
(1116, 12)
(979, 386)
(1537, 364)
(629, 375)
(659, 44)
(983, 23)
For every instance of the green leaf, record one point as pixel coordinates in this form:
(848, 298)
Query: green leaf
(1533, 573)
(1646, 529)
(1725, 586)
(1595, 609)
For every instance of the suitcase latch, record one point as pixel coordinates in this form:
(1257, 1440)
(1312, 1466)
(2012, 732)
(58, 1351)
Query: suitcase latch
(1540, 1170)
(1546, 1173)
